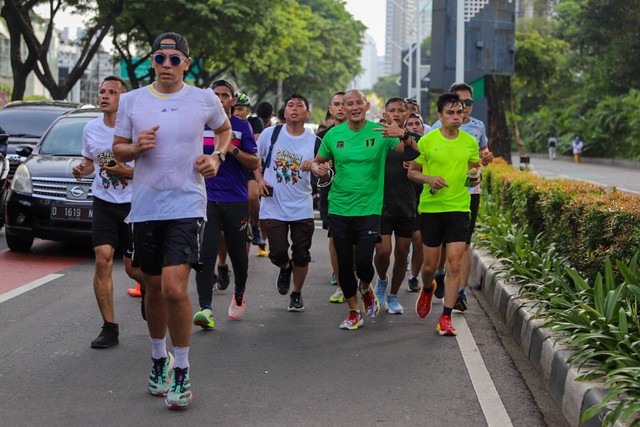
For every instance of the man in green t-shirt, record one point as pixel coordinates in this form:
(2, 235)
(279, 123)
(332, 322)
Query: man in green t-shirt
(446, 156)
(358, 149)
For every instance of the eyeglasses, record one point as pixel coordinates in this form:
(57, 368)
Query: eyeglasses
(467, 102)
(411, 101)
(175, 60)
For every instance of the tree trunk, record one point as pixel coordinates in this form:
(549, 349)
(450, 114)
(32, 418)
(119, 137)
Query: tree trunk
(516, 127)
(20, 69)
(498, 132)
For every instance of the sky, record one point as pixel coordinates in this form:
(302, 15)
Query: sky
(372, 13)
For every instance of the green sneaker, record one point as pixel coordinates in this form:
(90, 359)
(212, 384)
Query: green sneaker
(159, 377)
(204, 318)
(337, 297)
(180, 392)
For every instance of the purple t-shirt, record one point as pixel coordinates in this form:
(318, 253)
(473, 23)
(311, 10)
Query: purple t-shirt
(230, 184)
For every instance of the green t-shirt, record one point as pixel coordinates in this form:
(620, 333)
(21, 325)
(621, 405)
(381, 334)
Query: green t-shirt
(449, 159)
(358, 160)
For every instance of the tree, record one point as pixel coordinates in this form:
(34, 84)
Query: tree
(387, 87)
(19, 15)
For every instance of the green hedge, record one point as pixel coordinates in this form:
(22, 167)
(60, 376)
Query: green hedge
(585, 221)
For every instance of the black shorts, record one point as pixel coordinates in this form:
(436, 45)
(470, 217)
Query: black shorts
(475, 205)
(443, 227)
(159, 244)
(355, 228)
(400, 226)
(108, 226)
(301, 233)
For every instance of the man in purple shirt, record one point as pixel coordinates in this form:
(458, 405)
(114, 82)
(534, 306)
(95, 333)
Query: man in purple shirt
(227, 210)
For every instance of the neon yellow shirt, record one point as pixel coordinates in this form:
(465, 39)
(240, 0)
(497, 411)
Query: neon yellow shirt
(359, 161)
(448, 158)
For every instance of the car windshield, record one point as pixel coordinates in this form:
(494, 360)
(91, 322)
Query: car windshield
(65, 137)
(27, 122)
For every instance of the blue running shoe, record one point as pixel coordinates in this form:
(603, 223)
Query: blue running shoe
(333, 281)
(440, 289)
(393, 305)
(381, 288)
(461, 302)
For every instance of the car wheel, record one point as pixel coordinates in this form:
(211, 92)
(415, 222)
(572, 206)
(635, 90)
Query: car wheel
(18, 244)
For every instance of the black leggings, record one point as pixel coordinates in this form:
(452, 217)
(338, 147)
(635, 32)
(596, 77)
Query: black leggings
(232, 218)
(361, 232)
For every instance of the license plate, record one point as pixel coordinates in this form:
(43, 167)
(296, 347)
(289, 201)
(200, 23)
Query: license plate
(72, 213)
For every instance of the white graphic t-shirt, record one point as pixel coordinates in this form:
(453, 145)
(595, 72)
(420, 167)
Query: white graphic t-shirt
(292, 200)
(97, 140)
(167, 184)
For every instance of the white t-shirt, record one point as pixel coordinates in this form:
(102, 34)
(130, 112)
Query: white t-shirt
(167, 184)
(97, 140)
(292, 200)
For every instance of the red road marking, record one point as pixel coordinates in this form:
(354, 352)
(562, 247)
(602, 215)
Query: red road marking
(17, 269)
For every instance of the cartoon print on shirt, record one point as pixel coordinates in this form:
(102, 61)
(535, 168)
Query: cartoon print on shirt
(106, 178)
(287, 166)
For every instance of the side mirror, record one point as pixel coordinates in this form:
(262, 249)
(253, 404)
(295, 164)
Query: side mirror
(24, 150)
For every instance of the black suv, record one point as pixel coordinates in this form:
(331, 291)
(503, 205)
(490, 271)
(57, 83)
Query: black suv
(44, 199)
(25, 122)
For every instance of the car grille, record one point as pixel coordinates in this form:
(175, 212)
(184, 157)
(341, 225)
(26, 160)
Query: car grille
(56, 188)
(13, 165)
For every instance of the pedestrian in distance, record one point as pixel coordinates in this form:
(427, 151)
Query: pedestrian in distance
(578, 146)
(286, 208)
(161, 126)
(111, 190)
(446, 156)
(552, 143)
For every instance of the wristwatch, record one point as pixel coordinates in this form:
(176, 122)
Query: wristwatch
(220, 155)
(235, 151)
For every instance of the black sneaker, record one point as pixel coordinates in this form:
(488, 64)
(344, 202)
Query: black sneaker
(108, 337)
(414, 284)
(256, 235)
(284, 279)
(295, 302)
(223, 277)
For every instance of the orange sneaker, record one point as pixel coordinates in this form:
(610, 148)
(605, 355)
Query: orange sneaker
(445, 327)
(423, 304)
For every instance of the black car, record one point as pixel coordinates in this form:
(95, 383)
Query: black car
(44, 199)
(25, 122)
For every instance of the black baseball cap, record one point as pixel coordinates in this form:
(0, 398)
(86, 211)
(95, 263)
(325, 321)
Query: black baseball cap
(180, 43)
(223, 83)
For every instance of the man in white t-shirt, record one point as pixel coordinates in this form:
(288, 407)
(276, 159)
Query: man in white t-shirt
(111, 204)
(161, 126)
(287, 205)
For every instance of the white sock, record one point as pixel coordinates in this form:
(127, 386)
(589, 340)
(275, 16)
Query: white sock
(158, 348)
(411, 277)
(182, 357)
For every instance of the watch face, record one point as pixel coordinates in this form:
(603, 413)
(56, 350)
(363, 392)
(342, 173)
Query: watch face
(235, 151)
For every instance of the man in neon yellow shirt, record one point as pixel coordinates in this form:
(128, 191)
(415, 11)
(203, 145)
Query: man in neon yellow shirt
(358, 149)
(446, 155)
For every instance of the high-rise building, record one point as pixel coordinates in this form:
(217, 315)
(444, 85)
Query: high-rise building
(369, 63)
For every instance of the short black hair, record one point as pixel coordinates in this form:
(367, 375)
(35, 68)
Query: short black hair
(447, 98)
(395, 99)
(297, 96)
(116, 79)
(281, 114)
(224, 83)
(264, 110)
(455, 87)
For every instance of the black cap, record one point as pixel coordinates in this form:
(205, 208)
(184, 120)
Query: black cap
(222, 83)
(180, 43)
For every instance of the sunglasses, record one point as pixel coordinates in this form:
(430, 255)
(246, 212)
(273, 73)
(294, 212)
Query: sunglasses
(175, 60)
(467, 102)
(411, 101)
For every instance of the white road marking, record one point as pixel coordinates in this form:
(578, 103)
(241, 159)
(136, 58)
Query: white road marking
(490, 402)
(29, 286)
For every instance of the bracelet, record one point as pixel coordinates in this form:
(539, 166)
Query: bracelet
(326, 183)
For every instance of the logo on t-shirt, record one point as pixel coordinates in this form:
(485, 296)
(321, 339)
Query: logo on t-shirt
(340, 144)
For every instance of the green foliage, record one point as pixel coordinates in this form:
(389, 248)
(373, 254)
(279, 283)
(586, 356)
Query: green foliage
(386, 87)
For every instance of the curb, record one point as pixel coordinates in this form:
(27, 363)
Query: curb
(539, 344)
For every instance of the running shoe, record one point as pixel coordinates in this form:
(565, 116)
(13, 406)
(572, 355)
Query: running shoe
(380, 290)
(263, 251)
(295, 302)
(204, 318)
(108, 336)
(423, 303)
(393, 305)
(159, 380)
(283, 282)
(333, 281)
(223, 277)
(337, 297)
(445, 327)
(414, 284)
(179, 395)
(236, 308)
(370, 302)
(461, 302)
(257, 239)
(353, 321)
(439, 293)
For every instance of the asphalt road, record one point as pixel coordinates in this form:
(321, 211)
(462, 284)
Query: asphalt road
(270, 368)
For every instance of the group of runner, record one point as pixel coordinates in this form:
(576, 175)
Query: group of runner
(204, 175)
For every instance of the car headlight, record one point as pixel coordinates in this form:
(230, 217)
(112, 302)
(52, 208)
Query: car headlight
(21, 182)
